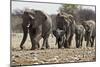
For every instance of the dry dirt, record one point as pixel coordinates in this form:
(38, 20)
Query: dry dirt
(48, 56)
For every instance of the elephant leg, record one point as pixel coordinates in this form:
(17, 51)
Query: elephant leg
(88, 38)
(92, 41)
(76, 38)
(45, 42)
(65, 44)
(25, 31)
(56, 41)
(70, 39)
(77, 46)
(43, 45)
(59, 46)
(81, 41)
(87, 44)
(33, 42)
(63, 41)
(60, 42)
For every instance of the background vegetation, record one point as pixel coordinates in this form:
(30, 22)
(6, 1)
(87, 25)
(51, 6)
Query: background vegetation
(76, 10)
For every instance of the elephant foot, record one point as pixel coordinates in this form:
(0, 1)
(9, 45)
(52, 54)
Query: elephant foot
(33, 49)
(77, 46)
(87, 45)
(65, 46)
(91, 45)
(60, 47)
(21, 47)
(43, 48)
(48, 47)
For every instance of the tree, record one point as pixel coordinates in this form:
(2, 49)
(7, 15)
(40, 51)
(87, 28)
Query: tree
(68, 8)
(86, 14)
(78, 12)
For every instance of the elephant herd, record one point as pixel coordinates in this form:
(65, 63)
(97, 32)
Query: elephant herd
(40, 25)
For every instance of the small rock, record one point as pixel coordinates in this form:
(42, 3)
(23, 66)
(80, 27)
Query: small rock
(76, 58)
(57, 57)
(72, 61)
(66, 59)
(32, 53)
(41, 62)
(35, 63)
(35, 59)
(13, 61)
(16, 56)
(52, 59)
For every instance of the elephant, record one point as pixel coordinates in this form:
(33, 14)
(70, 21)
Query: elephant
(79, 34)
(65, 22)
(38, 24)
(60, 37)
(90, 33)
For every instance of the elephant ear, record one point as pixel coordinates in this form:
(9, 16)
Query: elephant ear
(40, 16)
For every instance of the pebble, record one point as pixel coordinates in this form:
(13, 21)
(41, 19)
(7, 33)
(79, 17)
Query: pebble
(17, 56)
(35, 59)
(35, 63)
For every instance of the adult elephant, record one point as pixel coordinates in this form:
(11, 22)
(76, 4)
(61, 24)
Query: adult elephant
(90, 33)
(65, 22)
(39, 25)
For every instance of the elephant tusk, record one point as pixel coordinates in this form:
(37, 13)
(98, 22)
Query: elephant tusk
(28, 25)
(31, 16)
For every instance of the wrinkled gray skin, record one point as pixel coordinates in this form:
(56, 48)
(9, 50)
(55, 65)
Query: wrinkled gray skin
(60, 37)
(39, 25)
(58, 33)
(90, 33)
(79, 35)
(65, 22)
(58, 30)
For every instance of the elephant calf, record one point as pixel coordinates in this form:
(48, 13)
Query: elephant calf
(79, 32)
(60, 37)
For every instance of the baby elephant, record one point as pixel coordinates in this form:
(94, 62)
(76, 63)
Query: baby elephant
(60, 37)
(79, 32)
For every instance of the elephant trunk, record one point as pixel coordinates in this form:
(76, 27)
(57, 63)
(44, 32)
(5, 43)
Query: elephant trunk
(25, 33)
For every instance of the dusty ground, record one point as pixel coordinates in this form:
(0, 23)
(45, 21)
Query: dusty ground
(53, 55)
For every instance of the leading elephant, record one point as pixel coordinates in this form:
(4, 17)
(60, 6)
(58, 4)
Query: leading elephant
(39, 25)
(90, 33)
